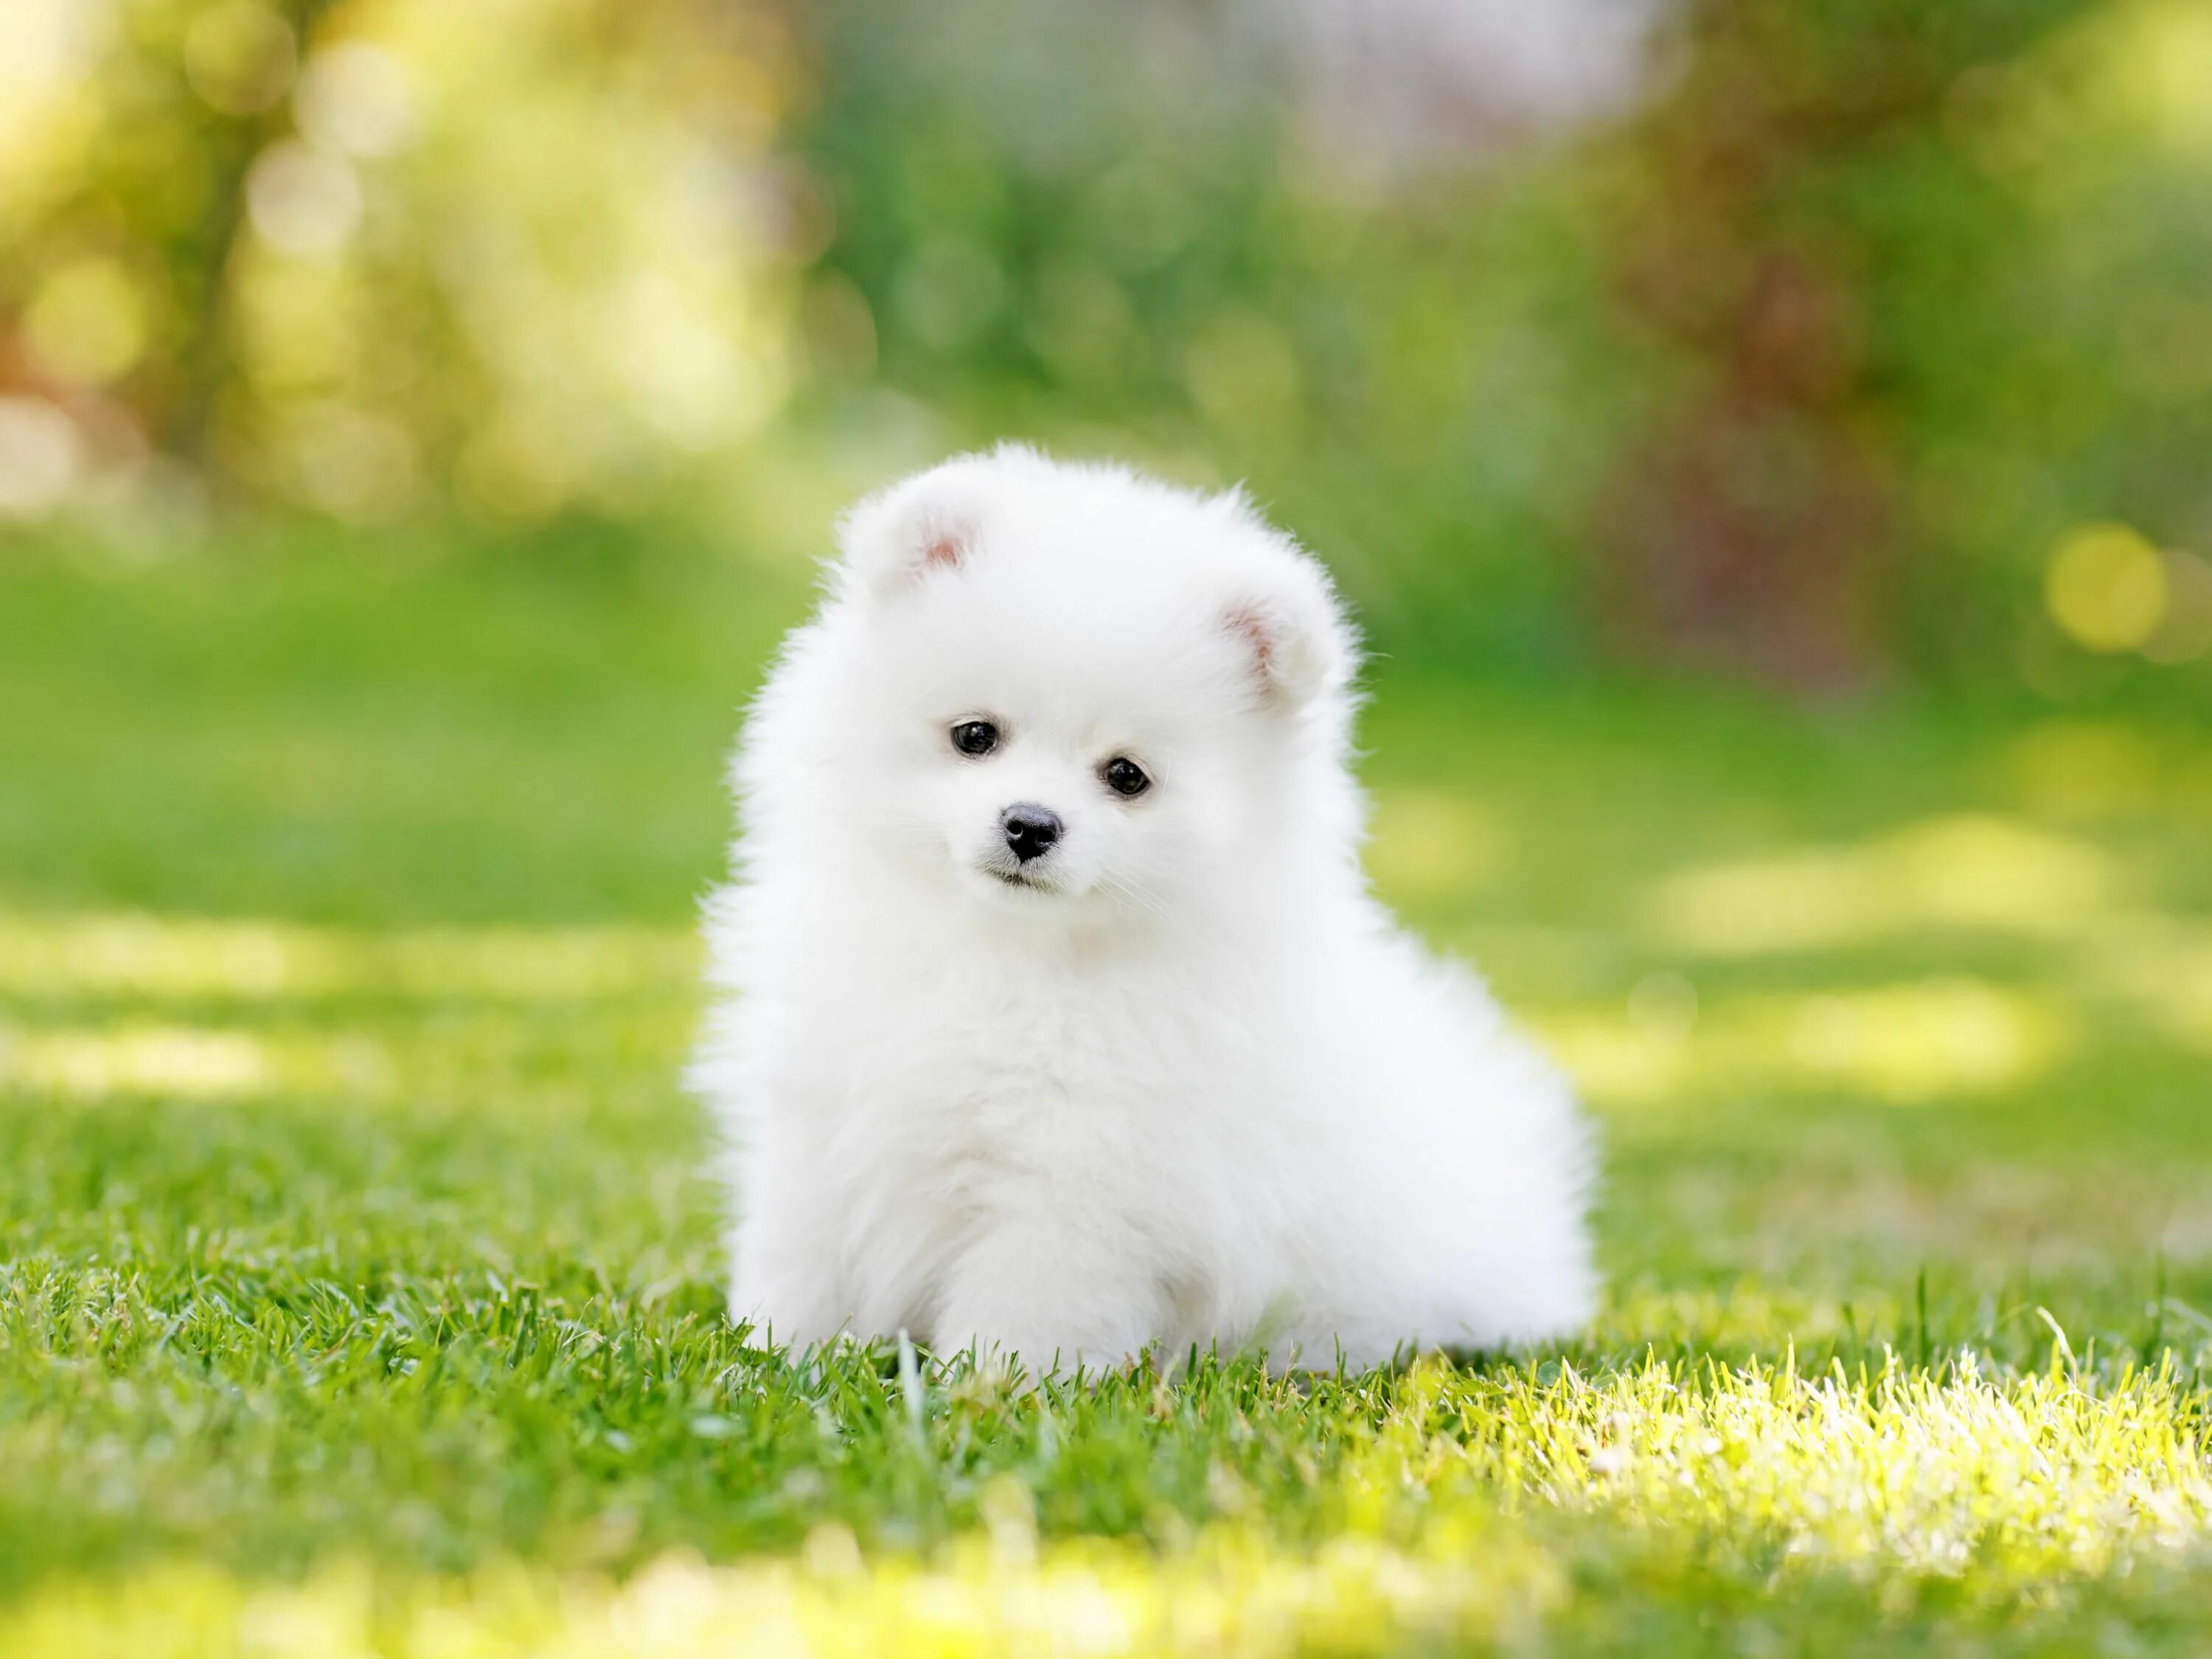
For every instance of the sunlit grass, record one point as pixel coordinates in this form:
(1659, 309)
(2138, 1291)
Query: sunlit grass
(1448, 1508)
(1953, 872)
(153, 958)
(1230, 1594)
(1938, 1474)
(359, 1261)
(1906, 1044)
(155, 1059)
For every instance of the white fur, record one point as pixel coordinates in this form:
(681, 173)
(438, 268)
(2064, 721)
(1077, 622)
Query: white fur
(1195, 1087)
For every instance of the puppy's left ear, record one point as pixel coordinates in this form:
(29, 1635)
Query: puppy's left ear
(1296, 642)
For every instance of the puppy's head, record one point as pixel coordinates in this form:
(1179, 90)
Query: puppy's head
(1083, 691)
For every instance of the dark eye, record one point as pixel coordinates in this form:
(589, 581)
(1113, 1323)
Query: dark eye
(975, 737)
(1124, 776)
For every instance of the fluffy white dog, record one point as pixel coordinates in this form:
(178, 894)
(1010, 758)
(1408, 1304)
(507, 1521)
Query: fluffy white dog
(1054, 1015)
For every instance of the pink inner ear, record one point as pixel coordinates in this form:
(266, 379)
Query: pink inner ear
(1249, 625)
(942, 553)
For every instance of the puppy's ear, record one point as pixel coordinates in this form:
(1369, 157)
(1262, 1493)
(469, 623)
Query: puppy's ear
(1294, 640)
(1283, 613)
(926, 524)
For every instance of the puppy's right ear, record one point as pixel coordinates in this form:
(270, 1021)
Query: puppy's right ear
(925, 525)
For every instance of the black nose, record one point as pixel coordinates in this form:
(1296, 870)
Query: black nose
(1030, 830)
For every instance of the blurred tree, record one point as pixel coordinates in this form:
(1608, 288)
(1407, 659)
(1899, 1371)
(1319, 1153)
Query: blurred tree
(1124, 231)
(1797, 209)
(355, 255)
(1808, 360)
(1803, 367)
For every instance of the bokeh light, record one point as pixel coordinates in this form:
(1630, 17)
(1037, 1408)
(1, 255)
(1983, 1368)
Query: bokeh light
(87, 324)
(2107, 587)
(40, 455)
(240, 57)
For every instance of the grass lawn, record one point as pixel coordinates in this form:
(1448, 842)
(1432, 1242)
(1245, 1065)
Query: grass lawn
(359, 1287)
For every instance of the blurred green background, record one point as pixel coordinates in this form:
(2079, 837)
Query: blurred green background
(1829, 344)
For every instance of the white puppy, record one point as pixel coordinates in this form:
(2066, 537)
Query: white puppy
(1055, 1017)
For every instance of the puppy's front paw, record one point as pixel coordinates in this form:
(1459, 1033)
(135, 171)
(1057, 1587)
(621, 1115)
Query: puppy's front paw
(1055, 1331)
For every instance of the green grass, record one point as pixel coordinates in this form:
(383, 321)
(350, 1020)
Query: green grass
(358, 1281)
